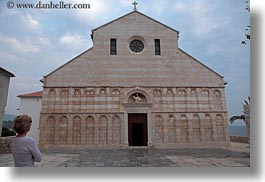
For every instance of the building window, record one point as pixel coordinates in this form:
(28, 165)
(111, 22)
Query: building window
(136, 46)
(157, 47)
(113, 47)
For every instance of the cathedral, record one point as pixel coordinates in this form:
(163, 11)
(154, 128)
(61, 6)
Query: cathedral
(133, 87)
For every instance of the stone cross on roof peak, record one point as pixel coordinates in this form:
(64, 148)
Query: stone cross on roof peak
(134, 4)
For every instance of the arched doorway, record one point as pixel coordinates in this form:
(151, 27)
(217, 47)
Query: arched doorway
(137, 118)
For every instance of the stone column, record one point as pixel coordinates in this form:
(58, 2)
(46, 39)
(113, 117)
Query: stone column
(83, 130)
(70, 130)
(190, 130)
(125, 131)
(149, 129)
(57, 130)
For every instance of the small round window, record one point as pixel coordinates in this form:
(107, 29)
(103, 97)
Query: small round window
(136, 46)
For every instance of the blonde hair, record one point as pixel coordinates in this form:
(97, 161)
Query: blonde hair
(22, 123)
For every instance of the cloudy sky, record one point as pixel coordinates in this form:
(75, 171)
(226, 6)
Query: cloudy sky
(34, 42)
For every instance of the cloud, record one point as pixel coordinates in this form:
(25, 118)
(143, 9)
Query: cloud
(203, 17)
(24, 47)
(30, 22)
(160, 6)
(214, 49)
(126, 3)
(73, 41)
(7, 57)
(98, 8)
(180, 6)
(44, 40)
(204, 21)
(22, 20)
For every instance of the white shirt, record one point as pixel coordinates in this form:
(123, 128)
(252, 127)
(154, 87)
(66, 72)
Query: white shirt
(25, 151)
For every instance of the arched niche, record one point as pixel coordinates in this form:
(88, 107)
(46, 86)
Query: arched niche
(137, 96)
(51, 123)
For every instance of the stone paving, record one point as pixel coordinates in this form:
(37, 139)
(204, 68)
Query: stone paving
(238, 156)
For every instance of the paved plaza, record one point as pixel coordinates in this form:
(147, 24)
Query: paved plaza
(238, 156)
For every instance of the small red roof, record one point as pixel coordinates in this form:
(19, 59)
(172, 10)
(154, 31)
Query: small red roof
(33, 94)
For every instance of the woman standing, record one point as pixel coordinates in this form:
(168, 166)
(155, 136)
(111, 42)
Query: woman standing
(25, 150)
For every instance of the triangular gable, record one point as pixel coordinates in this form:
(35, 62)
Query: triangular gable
(67, 63)
(200, 63)
(97, 69)
(133, 13)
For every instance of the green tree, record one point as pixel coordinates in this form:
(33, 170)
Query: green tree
(247, 30)
(240, 117)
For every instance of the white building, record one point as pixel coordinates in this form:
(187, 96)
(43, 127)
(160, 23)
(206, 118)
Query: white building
(4, 84)
(30, 104)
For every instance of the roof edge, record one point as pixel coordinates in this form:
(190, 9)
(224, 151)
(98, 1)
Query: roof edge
(132, 13)
(9, 73)
(32, 94)
(67, 63)
(201, 63)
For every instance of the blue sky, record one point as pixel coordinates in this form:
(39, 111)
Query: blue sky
(34, 42)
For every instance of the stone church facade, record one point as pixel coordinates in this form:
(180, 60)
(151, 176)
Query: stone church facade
(134, 87)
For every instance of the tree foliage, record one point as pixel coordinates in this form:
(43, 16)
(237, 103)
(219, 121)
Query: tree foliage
(241, 117)
(234, 118)
(247, 30)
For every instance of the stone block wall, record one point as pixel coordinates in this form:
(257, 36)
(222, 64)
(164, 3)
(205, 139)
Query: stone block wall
(110, 99)
(78, 131)
(85, 117)
(189, 128)
(5, 145)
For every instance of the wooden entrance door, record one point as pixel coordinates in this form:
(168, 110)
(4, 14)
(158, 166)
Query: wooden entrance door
(137, 125)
